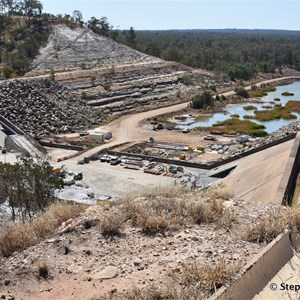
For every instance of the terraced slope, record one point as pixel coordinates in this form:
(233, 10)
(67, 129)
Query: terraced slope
(112, 77)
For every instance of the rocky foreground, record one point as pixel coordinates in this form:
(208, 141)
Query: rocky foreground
(84, 260)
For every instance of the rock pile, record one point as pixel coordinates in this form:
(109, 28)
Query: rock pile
(284, 131)
(43, 107)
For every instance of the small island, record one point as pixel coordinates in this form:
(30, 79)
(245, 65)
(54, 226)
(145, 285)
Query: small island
(249, 107)
(287, 94)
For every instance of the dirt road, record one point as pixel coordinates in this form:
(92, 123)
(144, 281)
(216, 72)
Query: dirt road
(127, 128)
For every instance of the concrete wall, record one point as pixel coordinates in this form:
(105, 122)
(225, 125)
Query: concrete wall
(258, 272)
(62, 146)
(11, 125)
(287, 184)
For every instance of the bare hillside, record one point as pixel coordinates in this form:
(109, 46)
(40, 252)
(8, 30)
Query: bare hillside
(81, 48)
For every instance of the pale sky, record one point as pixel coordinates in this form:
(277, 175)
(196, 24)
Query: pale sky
(179, 14)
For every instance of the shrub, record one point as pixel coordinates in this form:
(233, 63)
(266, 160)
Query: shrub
(267, 229)
(187, 79)
(7, 71)
(112, 224)
(240, 91)
(43, 271)
(206, 277)
(249, 107)
(202, 101)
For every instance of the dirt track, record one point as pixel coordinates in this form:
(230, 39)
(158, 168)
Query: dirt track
(127, 128)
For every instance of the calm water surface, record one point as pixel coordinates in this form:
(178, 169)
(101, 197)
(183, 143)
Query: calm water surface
(231, 109)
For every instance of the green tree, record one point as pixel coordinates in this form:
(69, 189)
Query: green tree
(32, 7)
(131, 37)
(202, 101)
(29, 186)
(77, 16)
(100, 26)
(240, 91)
(7, 71)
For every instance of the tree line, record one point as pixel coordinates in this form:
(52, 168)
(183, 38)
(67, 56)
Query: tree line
(239, 54)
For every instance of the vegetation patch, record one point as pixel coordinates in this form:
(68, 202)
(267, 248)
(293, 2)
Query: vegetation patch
(198, 280)
(242, 92)
(235, 116)
(249, 107)
(112, 224)
(262, 91)
(240, 126)
(273, 114)
(268, 227)
(287, 94)
(293, 105)
(200, 118)
(276, 99)
(19, 236)
(165, 211)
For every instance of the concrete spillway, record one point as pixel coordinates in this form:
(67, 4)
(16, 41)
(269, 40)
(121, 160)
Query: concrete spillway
(17, 138)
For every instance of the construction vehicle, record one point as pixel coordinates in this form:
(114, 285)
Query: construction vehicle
(200, 148)
(182, 156)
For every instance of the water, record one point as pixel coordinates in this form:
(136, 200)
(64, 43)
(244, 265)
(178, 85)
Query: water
(231, 109)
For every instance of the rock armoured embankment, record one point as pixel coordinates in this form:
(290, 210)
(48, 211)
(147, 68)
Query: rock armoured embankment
(43, 107)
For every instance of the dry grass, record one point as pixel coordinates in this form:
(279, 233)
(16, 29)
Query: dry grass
(219, 191)
(293, 217)
(172, 209)
(112, 224)
(17, 237)
(268, 228)
(206, 277)
(197, 281)
(43, 270)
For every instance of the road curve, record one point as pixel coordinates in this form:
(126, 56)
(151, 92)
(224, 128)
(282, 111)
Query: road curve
(127, 128)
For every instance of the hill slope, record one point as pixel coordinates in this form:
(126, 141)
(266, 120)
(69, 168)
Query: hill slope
(82, 48)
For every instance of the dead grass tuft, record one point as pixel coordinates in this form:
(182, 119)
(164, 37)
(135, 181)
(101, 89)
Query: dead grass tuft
(267, 229)
(206, 278)
(150, 293)
(112, 224)
(294, 219)
(196, 282)
(163, 210)
(43, 270)
(219, 191)
(17, 237)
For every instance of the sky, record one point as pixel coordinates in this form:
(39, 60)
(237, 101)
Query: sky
(179, 14)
